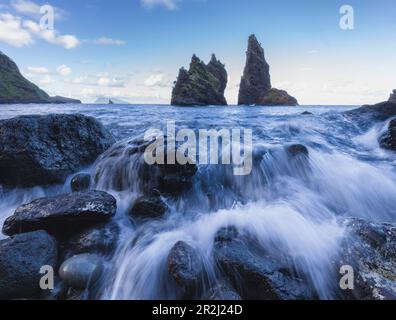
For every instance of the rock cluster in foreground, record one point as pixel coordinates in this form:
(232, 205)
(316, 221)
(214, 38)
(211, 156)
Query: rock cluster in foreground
(203, 84)
(256, 88)
(43, 150)
(14, 88)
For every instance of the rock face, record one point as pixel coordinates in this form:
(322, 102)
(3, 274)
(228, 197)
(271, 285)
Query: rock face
(43, 150)
(371, 251)
(148, 207)
(388, 140)
(62, 215)
(256, 88)
(185, 266)
(201, 85)
(378, 112)
(21, 258)
(14, 88)
(392, 97)
(255, 274)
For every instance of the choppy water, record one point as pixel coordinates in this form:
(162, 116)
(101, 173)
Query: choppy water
(286, 208)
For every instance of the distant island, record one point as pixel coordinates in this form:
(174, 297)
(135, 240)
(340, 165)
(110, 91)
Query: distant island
(15, 88)
(205, 84)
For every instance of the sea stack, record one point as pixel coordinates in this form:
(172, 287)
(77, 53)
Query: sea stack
(256, 88)
(202, 85)
(392, 97)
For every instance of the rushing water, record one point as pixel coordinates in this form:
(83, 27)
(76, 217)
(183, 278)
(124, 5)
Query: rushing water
(285, 207)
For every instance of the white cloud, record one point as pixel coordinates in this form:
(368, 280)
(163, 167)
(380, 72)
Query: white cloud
(109, 41)
(38, 70)
(156, 80)
(12, 32)
(32, 9)
(63, 70)
(111, 82)
(18, 32)
(51, 36)
(169, 4)
(46, 80)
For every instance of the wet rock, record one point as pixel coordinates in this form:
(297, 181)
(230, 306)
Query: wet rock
(21, 258)
(297, 149)
(123, 167)
(256, 88)
(254, 273)
(223, 292)
(148, 208)
(306, 113)
(80, 182)
(371, 250)
(378, 112)
(184, 265)
(81, 271)
(101, 239)
(62, 215)
(201, 85)
(388, 139)
(44, 150)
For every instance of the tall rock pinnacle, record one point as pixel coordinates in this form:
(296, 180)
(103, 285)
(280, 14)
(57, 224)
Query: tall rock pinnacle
(201, 85)
(255, 88)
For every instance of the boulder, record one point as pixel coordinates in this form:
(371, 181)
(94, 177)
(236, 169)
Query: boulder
(21, 258)
(254, 273)
(201, 85)
(306, 113)
(80, 182)
(297, 150)
(256, 88)
(185, 267)
(388, 139)
(81, 271)
(123, 167)
(148, 208)
(44, 150)
(101, 239)
(370, 249)
(62, 215)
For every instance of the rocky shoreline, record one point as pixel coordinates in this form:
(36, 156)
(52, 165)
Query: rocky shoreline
(75, 233)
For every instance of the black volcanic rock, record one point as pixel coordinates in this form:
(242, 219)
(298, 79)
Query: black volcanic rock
(44, 150)
(388, 139)
(14, 88)
(21, 258)
(62, 215)
(201, 85)
(255, 88)
(378, 112)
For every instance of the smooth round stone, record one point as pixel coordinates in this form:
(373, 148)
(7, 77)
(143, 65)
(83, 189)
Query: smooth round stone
(82, 270)
(80, 182)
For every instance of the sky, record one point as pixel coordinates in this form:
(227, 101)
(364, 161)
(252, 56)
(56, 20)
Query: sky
(132, 49)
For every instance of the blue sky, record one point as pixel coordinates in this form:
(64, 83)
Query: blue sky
(132, 49)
